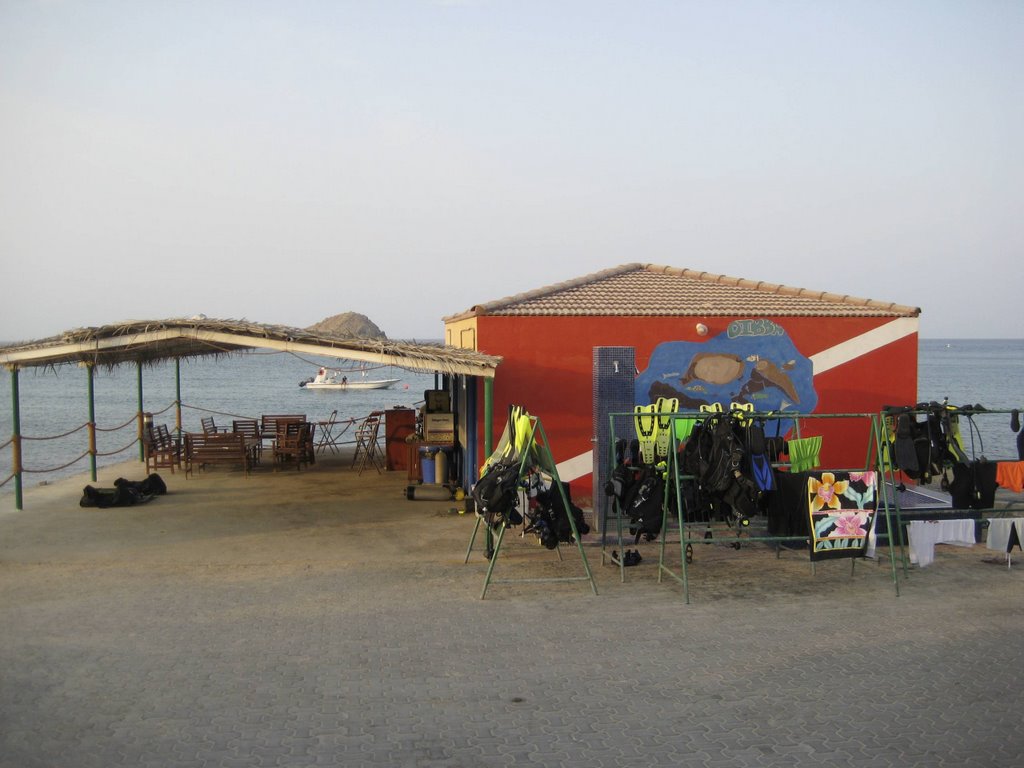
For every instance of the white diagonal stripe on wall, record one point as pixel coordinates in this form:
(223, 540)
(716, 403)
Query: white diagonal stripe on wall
(853, 348)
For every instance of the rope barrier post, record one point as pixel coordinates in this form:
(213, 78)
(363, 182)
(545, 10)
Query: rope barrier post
(89, 370)
(16, 437)
(138, 376)
(177, 397)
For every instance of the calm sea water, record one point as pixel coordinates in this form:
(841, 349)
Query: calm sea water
(986, 372)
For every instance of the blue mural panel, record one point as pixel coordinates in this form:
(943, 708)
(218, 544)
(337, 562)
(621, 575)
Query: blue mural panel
(753, 361)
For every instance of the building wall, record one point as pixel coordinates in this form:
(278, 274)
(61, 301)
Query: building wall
(860, 365)
(461, 333)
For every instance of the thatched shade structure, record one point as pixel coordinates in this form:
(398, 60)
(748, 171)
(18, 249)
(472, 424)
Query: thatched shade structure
(152, 341)
(147, 342)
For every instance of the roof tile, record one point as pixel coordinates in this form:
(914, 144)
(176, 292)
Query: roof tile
(652, 290)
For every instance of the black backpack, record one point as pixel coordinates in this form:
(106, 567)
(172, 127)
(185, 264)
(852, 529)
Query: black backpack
(723, 489)
(644, 505)
(720, 455)
(497, 493)
(550, 521)
(152, 485)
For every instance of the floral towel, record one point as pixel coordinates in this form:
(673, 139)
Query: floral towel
(842, 512)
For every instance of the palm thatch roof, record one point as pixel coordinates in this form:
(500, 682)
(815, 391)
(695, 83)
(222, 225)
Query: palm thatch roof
(152, 341)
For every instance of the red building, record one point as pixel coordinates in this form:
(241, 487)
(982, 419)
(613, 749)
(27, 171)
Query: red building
(700, 337)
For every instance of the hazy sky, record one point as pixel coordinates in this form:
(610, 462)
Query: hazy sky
(286, 161)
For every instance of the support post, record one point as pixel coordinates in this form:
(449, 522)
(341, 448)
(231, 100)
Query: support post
(177, 397)
(16, 437)
(89, 370)
(138, 377)
(488, 416)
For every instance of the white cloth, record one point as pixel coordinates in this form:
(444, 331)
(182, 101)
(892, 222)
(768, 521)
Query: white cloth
(999, 532)
(925, 534)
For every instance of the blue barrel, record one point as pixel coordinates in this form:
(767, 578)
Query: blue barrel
(427, 464)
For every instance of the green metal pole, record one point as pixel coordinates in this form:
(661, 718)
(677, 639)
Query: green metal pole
(138, 376)
(488, 449)
(89, 369)
(557, 481)
(488, 416)
(177, 396)
(16, 437)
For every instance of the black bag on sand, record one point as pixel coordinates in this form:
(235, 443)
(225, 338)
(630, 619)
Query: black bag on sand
(125, 493)
(112, 497)
(152, 485)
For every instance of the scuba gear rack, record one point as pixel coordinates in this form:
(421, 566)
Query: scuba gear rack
(718, 479)
(523, 457)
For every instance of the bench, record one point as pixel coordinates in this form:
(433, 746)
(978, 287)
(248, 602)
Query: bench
(217, 448)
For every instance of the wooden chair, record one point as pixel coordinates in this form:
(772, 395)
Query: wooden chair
(210, 426)
(160, 449)
(309, 444)
(250, 428)
(268, 423)
(368, 450)
(291, 443)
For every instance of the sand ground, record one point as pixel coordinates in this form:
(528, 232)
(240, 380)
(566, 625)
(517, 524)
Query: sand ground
(319, 617)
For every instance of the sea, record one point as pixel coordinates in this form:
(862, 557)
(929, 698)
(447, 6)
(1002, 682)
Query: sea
(54, 401)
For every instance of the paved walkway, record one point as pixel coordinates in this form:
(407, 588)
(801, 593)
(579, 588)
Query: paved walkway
(320, 618)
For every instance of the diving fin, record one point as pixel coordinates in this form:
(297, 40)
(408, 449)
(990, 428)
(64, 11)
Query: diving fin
(760, 463)
(646, 431)
(665, 407)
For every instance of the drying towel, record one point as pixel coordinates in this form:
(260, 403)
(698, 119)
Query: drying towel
(804, 453)
(1010, 475)
(683, 427)
(925, 534)
(1004, 533)
(842, 513)
(787, 505)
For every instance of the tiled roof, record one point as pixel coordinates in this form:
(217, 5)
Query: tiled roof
(649, 289)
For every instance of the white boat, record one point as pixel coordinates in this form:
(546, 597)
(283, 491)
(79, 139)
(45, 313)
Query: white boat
(325, 380)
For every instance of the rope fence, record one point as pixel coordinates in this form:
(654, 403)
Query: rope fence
(218, 413)
(119, 450)
(18, 441)
(56, 437)
(131, 422)
(55, 469)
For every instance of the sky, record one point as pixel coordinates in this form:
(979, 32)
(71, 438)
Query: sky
(282, 162)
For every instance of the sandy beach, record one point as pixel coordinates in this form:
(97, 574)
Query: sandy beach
(318, 617)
